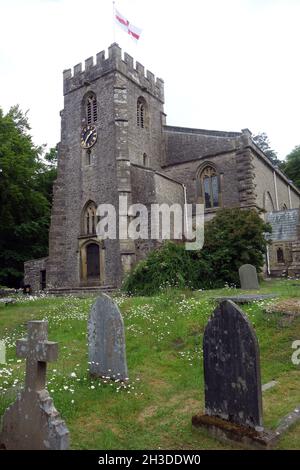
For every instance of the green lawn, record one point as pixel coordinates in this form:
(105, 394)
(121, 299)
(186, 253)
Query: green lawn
(164, 353)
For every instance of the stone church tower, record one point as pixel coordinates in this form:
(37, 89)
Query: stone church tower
(123, 111)
(115, 142)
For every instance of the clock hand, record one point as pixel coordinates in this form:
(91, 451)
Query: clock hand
(87, 137)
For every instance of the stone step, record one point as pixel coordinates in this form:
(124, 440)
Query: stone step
(87, 290)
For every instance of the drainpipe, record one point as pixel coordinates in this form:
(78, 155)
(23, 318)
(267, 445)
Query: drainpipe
(185, 208)
(290, 197)
(275, 187)
(268, 260)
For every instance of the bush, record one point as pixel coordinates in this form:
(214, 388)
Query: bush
(234, 237)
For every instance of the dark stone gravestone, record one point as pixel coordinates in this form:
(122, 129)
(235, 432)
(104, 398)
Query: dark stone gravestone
(248, 277)
(233, 396)
(32, 422)
(106, 339)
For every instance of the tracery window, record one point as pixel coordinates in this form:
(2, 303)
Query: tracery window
(210, 187)
(90, 219)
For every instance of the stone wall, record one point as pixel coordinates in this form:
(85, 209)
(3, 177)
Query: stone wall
(267, 178)
(32, 273)
(150, 187)
(285, 236)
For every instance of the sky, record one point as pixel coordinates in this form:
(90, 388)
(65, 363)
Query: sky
(226, 64)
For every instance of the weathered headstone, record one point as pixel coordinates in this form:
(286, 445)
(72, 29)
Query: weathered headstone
(248, 277)
(106, 339)
(7, 300)
(233, 395)
(32, 422)
(2, 352)
(232, 368)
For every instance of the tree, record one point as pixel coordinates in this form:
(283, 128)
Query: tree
(263, 142)
(232, 238)
(291, 166)
(47, 174)
(25, 180)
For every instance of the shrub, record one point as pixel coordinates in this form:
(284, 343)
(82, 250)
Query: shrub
(232, 238)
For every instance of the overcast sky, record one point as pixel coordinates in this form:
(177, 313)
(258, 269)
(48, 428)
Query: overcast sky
(227, 64)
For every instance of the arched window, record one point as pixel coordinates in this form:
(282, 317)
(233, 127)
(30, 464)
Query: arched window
(268, 202)
(91, 108)
(210, 187)
(89, 219)
(141, 109)
(280, 255)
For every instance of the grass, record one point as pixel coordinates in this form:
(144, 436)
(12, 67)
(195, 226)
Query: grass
(164, 353)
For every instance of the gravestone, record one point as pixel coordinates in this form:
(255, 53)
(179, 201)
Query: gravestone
(106, 339)
(2, 352)
(233, 395)
(32, 422)
(231, 367)
(7, 300)
(248, 277)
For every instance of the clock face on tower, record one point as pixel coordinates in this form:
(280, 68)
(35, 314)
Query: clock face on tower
(88, 136)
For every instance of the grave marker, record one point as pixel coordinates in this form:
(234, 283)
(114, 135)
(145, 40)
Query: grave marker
(32, 422)
(248, 277)
(233, 394)
(106, 339)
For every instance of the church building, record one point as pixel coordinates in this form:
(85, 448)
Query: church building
(114, 142)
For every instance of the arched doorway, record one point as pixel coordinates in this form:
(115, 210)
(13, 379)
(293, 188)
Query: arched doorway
(93, 261)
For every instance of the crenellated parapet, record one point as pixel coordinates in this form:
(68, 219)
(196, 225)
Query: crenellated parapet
(116, 61)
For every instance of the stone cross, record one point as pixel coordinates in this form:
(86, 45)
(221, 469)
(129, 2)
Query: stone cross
(37, 351)
(232, 367)
(32, 422)
(248, 277)
(106, 340)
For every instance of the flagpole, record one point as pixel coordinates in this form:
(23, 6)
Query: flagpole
(114, 21)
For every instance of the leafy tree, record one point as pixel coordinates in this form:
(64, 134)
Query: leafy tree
(25, 180)
(263, 142)
(47, 174)
(232, 238)
(291, 166)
